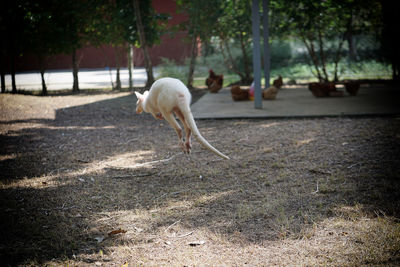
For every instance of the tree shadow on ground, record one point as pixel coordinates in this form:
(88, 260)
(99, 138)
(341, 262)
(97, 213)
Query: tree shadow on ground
(71, 139)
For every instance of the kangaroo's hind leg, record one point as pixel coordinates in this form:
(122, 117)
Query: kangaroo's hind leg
(169, 117)
(188, 132)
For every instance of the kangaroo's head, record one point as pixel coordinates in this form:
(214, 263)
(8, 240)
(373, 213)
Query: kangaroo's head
(140, 101)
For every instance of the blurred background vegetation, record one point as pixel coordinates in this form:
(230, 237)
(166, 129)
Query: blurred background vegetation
(290, 60)
(309, 40)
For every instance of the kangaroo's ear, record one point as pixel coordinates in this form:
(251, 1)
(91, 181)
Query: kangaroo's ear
(139, 96)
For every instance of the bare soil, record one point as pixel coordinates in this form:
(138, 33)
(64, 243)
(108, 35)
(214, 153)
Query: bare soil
(84, 181)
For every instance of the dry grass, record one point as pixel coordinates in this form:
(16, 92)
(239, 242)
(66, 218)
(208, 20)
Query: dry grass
(77, 169)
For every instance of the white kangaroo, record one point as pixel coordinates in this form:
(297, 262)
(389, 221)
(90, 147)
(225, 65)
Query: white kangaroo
(168, 96)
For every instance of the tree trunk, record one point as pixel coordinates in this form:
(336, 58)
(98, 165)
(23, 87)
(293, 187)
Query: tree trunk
(44, 87)
(193, 55)
(108, 66)
(130, 66)
(350, 40)
(395, 71)
(229, 61)
(353, 55)
(2, 72)
(143, 44)
(13, 83)
(42, 71)
(311, 53)
(118, 67)
(338, 57)
(322, 56)
(149, 67)
(247, 78)
(75, 69)
(3, 80)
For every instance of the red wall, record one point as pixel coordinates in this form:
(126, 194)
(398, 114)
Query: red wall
(174, 47)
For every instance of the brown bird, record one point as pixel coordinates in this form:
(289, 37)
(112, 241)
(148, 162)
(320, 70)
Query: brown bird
(214, 82)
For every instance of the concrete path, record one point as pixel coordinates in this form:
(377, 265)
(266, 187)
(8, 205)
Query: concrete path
(88, 79)
(299, 102)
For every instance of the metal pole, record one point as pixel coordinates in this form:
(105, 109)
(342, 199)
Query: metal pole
(256, 54)
(266, 43)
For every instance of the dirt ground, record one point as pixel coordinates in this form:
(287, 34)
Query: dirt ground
(87, 182)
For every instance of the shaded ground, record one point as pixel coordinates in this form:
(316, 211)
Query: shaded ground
(85, 181)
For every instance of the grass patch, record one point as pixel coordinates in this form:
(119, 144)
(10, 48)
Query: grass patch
(303, 73)
(298, 72)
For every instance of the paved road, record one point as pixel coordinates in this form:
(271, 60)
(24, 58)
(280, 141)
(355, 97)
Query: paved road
(88, 79)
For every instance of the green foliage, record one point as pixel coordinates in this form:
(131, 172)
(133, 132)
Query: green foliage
(299, 72)
(51, 26)
(235, 27)
(114, 23)
(169, 68)
(202, 17)
(236, 20)
(323, 27)
(281, 53)
(213, 61)
(74, 18)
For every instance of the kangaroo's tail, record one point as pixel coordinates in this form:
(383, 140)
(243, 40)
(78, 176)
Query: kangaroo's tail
(185, 109)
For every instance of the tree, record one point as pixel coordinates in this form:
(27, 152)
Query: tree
(44, 33)
(390, 40)
(129, 32)
(13, 29)
(74, 17)
(323, 27)
(234, 27)
(313, 23)
(149, 30)
(143, 33)
(201, 25)
(107, 27)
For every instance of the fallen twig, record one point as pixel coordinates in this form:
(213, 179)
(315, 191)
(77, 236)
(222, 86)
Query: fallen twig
(319, 171)
(316, 191)
(175, 236)
(166, 230)
(355, 164)
(180, 236)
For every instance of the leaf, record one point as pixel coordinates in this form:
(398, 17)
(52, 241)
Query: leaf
(196, 243)
(115, 232)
